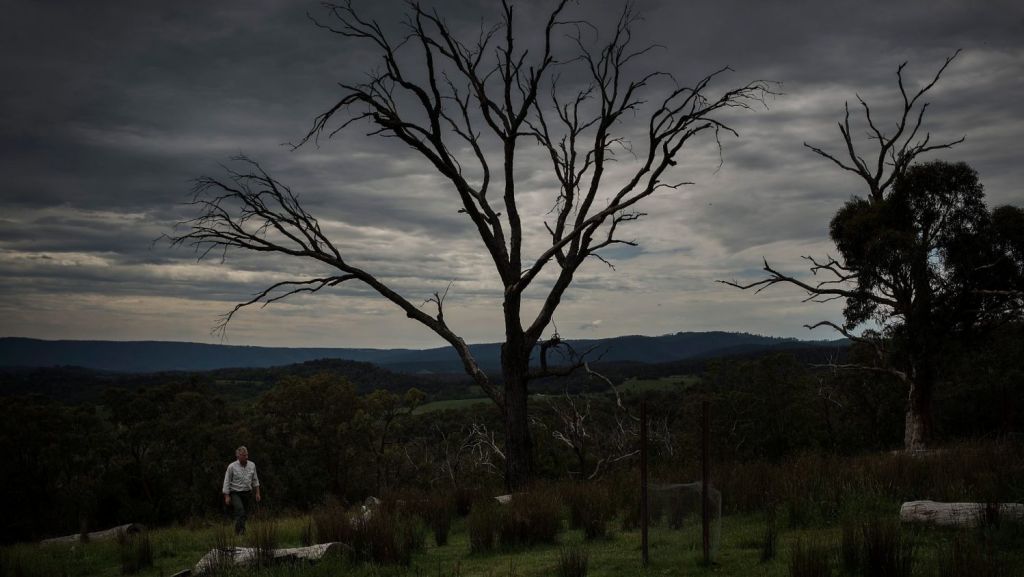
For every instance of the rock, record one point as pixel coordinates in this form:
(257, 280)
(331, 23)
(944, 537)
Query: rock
(504, 499)
(956, 514)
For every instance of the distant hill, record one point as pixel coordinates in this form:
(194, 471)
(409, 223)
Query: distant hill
(157, 356)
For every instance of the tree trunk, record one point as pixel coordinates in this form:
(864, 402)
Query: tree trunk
(518, 444)
(917, 431)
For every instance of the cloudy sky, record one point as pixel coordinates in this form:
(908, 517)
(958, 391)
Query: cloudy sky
(108, 110)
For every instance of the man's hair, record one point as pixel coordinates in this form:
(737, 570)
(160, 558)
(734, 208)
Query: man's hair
(241, 450)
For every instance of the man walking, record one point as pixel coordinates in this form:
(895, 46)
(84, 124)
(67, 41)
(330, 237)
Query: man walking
(240, 486)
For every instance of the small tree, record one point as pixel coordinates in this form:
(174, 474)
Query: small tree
(468, 109)
(919, 258)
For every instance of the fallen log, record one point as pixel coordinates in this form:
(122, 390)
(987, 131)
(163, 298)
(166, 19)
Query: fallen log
(128, 529)
(219, 558)
(958, 514)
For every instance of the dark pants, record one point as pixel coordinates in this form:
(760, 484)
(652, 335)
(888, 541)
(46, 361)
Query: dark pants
(241, 503)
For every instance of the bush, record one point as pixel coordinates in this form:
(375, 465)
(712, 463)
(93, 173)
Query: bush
(810, 560)
(573, 561)
(136, 551)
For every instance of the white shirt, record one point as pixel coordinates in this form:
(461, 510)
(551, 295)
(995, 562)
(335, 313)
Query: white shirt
(239, 478)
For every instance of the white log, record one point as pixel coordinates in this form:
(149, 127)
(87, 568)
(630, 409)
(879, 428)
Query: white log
(130, 528)
(218, 558)
(955, 514)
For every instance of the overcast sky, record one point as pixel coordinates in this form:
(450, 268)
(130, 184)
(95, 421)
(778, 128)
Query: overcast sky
(108, 109)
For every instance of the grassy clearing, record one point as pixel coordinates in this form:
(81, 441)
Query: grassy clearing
(672, 552)
(450, 404)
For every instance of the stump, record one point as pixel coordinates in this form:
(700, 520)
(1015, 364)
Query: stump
(958, 514)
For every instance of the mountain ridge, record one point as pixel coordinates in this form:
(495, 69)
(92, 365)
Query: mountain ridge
(157, 356)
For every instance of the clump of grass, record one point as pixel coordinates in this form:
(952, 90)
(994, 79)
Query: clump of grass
(386, 536)
(884, 551)
(770, 538)
(573, 561)
(223, 545)
(332, 524)
(851, 547)
(438, 511)
(135, 550)
(810, 560)
(264, 538)
(307, 534)
(591, 508)
(530, 519)
(971, 558)
(482, 524)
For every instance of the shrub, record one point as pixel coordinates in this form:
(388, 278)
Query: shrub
(136, 551)
(810, 560)
(482, 524)
(573, 561)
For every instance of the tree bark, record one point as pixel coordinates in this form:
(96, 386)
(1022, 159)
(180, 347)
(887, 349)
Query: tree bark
(515, 362)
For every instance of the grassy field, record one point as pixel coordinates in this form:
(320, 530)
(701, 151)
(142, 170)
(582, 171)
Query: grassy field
(628, 386)
(450, 404)
(672, 552)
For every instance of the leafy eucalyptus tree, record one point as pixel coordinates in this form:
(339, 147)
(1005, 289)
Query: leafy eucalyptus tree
(921, 261)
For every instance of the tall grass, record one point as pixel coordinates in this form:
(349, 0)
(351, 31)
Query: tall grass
(573, 561)
(482, 524)
(135, 551)
(812, 559)
(770, 537)
(591, 508)
(264, 537)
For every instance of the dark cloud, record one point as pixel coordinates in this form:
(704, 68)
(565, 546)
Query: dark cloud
(109, 109)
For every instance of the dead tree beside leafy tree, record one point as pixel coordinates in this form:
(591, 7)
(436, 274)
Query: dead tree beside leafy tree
(919, 263)
(468, 109)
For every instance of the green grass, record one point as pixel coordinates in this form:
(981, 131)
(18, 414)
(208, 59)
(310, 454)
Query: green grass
(671, 553)
(450, 404)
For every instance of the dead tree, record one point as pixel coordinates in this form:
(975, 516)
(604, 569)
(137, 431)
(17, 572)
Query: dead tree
(468, 108)
(894, 298)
